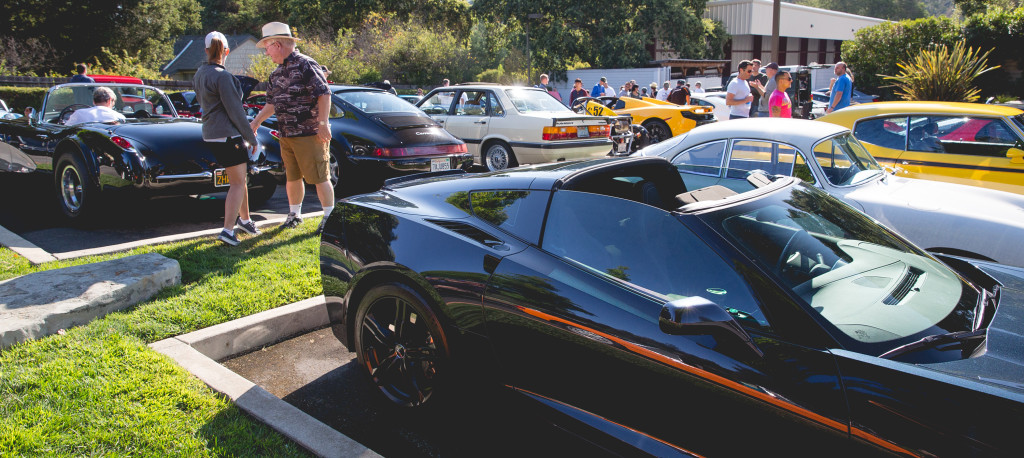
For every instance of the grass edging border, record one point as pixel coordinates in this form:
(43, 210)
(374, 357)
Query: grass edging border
(199, 351)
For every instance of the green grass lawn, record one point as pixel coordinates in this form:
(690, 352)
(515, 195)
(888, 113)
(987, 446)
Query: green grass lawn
(99, 390)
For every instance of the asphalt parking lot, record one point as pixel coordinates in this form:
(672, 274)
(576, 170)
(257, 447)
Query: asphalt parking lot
(316, 374)
(28, 208)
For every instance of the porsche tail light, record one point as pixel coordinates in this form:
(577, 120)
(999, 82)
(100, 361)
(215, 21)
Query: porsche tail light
(434, 150)
(122, 142)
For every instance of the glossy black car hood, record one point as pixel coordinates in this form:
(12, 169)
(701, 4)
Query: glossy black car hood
(1002, 363)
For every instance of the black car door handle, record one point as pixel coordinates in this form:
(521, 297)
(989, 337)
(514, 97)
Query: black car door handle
(482, 121)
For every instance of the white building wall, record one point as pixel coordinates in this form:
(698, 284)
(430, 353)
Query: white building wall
(754, 17)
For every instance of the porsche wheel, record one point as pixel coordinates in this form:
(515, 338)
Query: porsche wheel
(657, 130)
(77, 194)
(400, 344)
(499, 156)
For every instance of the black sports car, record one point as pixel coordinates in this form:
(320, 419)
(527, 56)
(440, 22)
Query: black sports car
(154, 152)
(376, 135)
(668, 321)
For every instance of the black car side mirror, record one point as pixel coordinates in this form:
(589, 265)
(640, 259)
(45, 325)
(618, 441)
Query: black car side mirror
(30, 113)
(699, 316)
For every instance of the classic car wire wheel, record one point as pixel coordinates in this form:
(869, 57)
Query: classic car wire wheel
(400, 344)
(71, 188)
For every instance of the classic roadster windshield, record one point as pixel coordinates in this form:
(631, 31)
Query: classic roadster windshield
(132, 100)
(845, 161)
(871, 285)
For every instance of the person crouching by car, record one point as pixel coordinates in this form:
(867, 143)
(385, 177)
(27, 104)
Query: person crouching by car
(227, 132)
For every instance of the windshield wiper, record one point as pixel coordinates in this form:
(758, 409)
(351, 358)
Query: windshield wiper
(934, 341)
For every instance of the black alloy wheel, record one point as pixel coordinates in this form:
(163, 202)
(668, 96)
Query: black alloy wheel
(401, 344)
(76, 193)
(657, 130)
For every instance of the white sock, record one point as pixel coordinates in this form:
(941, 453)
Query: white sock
(297, 209)
(230, 232)
(327, 211)
(244, 221)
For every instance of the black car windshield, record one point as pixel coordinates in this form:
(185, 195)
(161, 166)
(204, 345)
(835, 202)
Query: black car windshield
(845, 161)
(372, 102)
(876, 288)
(530, 100)
(133, 100)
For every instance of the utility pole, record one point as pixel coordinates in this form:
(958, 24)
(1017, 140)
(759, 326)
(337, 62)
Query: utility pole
(776, 52)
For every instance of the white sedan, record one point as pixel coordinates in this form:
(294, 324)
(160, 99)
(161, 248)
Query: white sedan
(715, 100)
(505, 126)
(940, 217)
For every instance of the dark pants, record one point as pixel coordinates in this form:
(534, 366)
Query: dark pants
(732, 116)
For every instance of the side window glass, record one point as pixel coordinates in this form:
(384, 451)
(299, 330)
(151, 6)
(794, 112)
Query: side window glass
(668, 259)
(337, 111)
(516, 212)
(803, 171)
(471, 103)
(495, 106)
(988, 137)
(924, 135)
(747, 155)
(885, 132)
(703, 159)
(439, 103)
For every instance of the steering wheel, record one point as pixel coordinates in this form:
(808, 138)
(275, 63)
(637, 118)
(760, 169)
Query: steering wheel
(140, 114)
(580, 105)
(792, 259)
(66, 112)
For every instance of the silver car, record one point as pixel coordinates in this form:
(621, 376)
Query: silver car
(940, 217)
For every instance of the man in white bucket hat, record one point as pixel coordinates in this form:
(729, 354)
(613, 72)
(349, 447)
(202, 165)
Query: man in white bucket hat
(299, 94)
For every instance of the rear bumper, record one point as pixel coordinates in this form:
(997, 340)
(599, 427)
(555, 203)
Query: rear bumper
(541, 152)
(410, 164)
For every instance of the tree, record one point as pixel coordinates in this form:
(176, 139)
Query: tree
(77, 31)
(617, 37)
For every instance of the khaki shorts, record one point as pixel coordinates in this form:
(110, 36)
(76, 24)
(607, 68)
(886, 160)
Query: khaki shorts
(305, 157)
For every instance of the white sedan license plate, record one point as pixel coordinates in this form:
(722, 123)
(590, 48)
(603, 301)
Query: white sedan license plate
(582, 132)
(220, 178)
(440, 163)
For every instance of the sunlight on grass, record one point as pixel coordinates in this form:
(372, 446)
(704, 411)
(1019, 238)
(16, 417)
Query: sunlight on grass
(99, 390)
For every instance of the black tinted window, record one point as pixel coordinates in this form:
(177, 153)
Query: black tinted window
(885, 132)
(647, 247)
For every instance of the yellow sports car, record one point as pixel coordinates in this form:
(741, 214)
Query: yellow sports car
(662, 120)
(967, 143)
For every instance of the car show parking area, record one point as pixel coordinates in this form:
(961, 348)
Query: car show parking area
(29, 210)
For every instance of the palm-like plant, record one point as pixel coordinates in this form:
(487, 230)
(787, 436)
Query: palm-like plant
(941, 74)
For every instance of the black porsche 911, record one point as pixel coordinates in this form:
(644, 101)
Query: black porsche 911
(153, 153)
(376, 135)
(666, 321)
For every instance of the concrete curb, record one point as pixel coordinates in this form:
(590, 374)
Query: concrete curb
(34, 254)
(199, 351)
(37, 255)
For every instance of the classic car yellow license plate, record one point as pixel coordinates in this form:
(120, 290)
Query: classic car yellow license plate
(220, 178)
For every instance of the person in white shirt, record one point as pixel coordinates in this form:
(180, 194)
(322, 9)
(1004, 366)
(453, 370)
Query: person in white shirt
(103, 100)
(665, 90)
(697, 89)
(738, 95)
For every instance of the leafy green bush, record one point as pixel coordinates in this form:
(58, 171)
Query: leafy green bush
(942, 74)
(17, 98)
